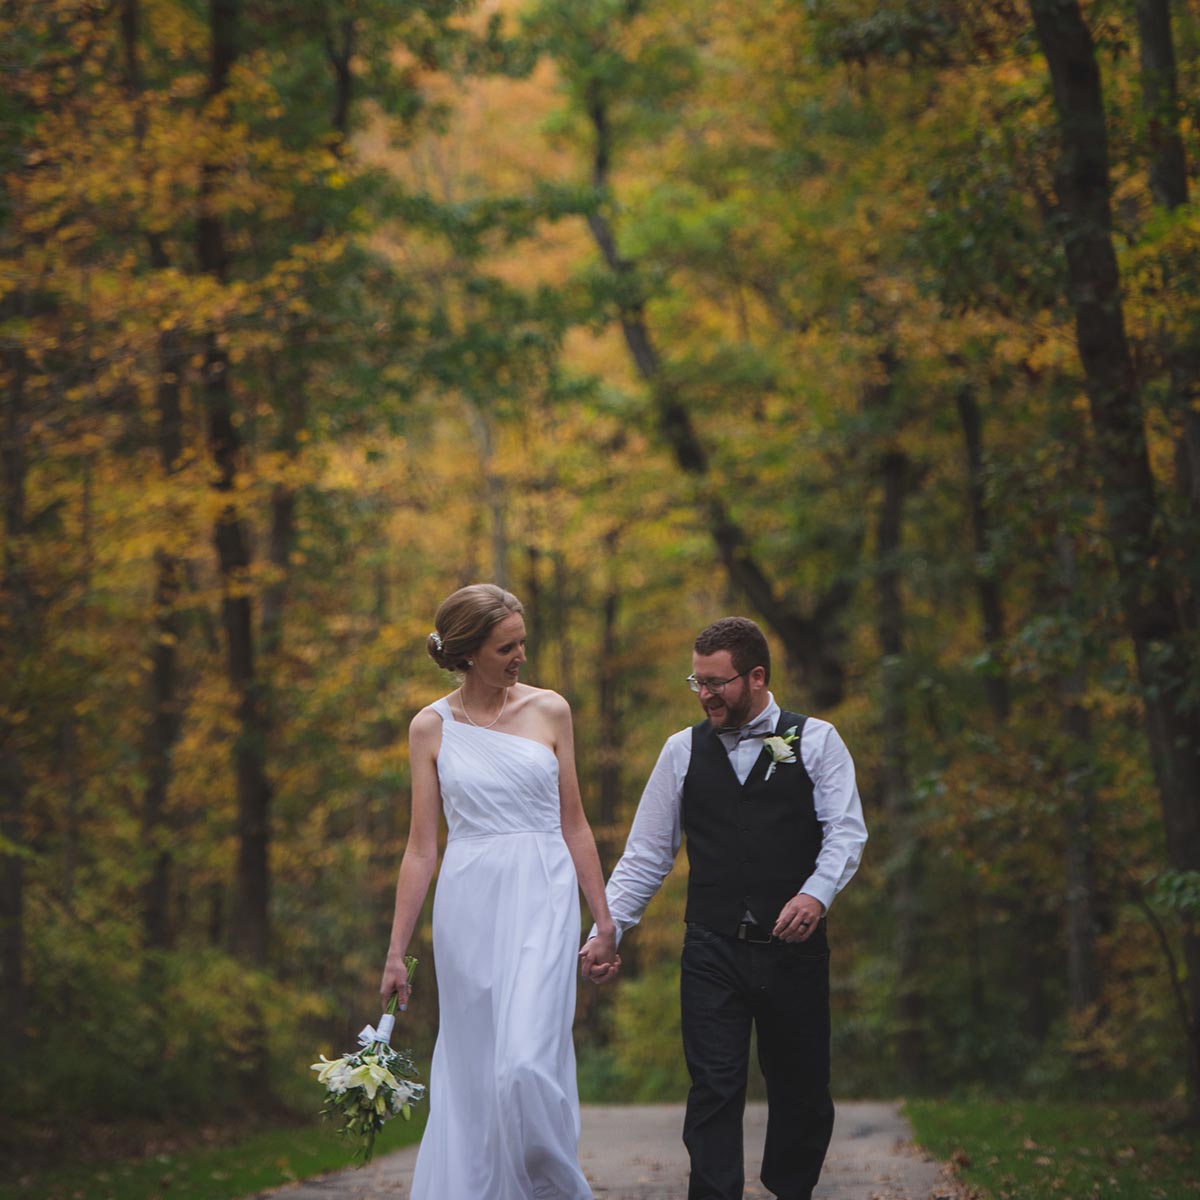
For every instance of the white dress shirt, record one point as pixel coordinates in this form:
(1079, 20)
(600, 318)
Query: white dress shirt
(656, 833)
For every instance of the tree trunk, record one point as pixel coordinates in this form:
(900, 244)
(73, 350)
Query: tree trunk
(1169, 186)
(162, 732)
(282, 538)
(73, 787)
(611, 738)
(1187, 459)
(249, 924)
(1083, 978)
(1166, 660)
(1078, 770)
(1160, 96)
(494, 497)
(813, 642)
(987, 586)
(17, 621)
(279, 553)
(12, 898)
(561, 604)
(339, 48)
(905, 862)
(165, 718)
(533, 610)
(164, 722)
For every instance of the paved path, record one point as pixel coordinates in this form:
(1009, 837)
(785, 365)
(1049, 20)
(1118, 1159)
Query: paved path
(634, 1153)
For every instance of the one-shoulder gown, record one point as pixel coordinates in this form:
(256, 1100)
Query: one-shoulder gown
(503, 1101)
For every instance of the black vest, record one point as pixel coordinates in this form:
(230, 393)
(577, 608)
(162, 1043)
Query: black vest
(750, 846)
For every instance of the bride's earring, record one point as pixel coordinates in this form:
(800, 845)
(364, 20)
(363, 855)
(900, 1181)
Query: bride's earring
(470, 662)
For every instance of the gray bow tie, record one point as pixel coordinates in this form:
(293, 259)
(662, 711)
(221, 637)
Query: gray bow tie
(760, 727)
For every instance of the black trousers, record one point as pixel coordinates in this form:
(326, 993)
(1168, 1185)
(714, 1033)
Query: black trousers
(783, 989)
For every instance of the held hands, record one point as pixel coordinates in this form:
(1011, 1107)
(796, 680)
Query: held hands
(798, 919)
(599, 960)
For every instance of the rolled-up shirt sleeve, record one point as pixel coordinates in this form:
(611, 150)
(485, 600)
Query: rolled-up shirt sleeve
(654, 837)
(838, 807)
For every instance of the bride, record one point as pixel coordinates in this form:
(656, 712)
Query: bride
(498, 756)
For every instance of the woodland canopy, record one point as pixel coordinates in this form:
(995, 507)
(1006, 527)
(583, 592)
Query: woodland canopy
(875, 320)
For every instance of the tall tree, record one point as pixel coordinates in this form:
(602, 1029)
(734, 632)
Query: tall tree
(587, 47)
(1080, 809)
(249, 936)
(1160, 91)
(991, 605)
(896, 475)
(16, 623)
(164, 719)
(1169, 186)
(1164, 650)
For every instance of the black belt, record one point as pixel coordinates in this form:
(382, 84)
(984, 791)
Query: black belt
(758, 934)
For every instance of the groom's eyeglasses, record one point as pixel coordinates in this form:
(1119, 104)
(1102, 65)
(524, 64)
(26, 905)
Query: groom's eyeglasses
(716, 686)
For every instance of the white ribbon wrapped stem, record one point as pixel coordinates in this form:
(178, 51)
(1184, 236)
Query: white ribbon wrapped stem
(370, 1035)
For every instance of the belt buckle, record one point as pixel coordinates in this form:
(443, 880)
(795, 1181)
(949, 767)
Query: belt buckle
(744, 934)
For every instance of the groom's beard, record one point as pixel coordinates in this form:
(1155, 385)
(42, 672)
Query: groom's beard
(729, 716)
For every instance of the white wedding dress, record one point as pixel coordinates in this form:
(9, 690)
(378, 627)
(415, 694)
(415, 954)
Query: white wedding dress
(503, 1101)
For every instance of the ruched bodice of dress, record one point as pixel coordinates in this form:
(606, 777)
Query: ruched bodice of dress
(478, 766)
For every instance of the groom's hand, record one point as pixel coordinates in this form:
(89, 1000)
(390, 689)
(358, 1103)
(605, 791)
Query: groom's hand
(598, 960)
(799, 918)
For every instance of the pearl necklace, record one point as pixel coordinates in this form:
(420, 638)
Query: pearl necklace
(466, 713)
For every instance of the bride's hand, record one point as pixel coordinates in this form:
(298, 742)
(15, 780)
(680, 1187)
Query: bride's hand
(605, 972)
(395, 979)
(599, 960)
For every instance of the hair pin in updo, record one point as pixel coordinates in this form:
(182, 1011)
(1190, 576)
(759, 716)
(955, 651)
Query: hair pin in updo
(437, 640)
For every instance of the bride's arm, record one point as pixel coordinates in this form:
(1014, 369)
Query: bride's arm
(581, 844)
(420, 854)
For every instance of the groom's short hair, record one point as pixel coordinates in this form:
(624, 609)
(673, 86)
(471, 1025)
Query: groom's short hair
(742, 638)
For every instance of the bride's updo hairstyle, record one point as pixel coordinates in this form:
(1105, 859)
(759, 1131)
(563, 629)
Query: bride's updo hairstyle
(464, 621)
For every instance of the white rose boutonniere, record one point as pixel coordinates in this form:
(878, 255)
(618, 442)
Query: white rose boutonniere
(781, 749)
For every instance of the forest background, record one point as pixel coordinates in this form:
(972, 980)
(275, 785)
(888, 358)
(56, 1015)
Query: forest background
(877, 322)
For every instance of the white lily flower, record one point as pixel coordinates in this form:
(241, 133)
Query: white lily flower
(370, 1076)
(333, 1074)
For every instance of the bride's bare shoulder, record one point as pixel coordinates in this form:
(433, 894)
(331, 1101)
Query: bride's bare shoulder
(544, 701)
(541, 697)
(426, 724)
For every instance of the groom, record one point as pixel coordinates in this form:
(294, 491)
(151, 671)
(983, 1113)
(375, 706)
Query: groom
(775, 830)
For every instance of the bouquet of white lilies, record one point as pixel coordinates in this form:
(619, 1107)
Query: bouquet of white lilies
(373, 1083)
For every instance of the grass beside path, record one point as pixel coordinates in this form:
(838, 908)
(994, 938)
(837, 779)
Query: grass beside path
(240, 1167)
(1024, 1151)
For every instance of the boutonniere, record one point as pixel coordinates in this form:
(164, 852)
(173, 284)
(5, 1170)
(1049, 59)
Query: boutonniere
(780, 748)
